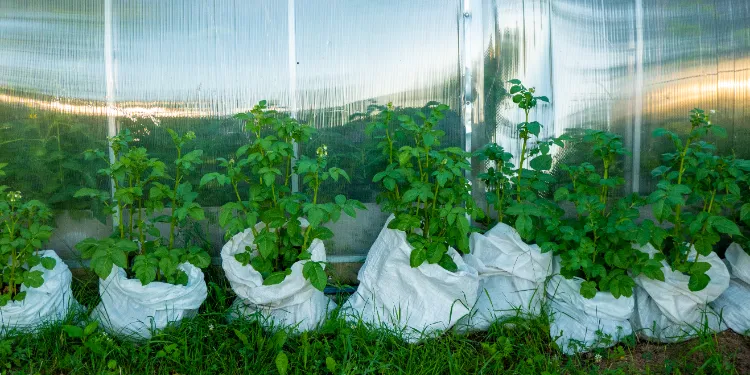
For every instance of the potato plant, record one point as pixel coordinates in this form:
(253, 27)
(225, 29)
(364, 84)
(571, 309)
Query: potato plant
(143, 188)
(261, 177)
(741, 211)
(696, 188)
(596, 244)
(519, 193)
(425, 187)
(22, 233)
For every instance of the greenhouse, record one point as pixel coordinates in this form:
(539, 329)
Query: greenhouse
(381, 186)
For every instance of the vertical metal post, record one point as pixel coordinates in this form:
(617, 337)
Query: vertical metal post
(638, 110)
(109, 72)
(467, 102)
(468, 79)
(292, 65)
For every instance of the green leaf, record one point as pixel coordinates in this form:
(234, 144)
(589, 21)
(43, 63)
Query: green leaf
(698, 282)
(20, 296)
(745, 212)
(331, 364)
(719, 131)
(33, 279)
(448, 264)
(242, 337)
(724, 225)
(340, 199)
(661, 210)
(316, 215)
(198, 257)
(698, 268)
(90, 328)
(195, 212)
(314, 272)
(282, 363)
(428, 139)
(541, 163)
(73, 331)
(561, 194)
(534, 128)
(417, 257)
(145, 269)
(266, 242)
(588, 289)
(524, 225)
(48, 263)
(275, 278)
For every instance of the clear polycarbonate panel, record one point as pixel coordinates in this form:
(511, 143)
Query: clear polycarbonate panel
(696, 55)
(594, 74)
(74, 71)
(354, 54)
(199, 58)
(627, 66)
(190, 66)
(51, 109)
(52, 48)
(515, 44)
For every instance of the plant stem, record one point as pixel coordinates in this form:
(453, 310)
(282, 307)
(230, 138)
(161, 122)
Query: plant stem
(141, 237)
(525, 137)
(130, 214)
(11, 232)
(173, 219)
(499, 206)
(390, 141)
(59, 149)
(678, 207)
(316, 186)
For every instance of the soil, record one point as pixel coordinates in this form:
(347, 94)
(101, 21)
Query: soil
(655, 358)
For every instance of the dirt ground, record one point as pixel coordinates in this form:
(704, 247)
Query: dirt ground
(701, 356)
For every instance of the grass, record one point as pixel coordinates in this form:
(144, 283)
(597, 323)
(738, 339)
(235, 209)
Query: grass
(208, 344)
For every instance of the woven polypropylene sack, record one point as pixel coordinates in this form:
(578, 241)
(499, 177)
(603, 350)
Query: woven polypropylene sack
(511, 277)
(50, 302)
(668, 311)
(579, 324)
(733, 306)
(293, 303)
(133, 310)
(416, 303)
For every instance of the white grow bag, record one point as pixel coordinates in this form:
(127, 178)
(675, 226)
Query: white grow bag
(668, 311)
(131, 309)
(511, 277)
(579, 324)
(734, 304)
(416, 302)
(292, 303)
(49, 303)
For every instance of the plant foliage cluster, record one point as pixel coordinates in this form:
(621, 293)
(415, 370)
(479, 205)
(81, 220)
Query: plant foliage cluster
(697, 189)
(599, 240)
(143, 189)
(519, 194)
(22, 233)
(424, 186)
(49, 144)
(284, 222)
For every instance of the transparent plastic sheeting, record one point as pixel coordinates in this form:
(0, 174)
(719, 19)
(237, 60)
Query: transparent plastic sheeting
(627, 66)
(149, 65)
(73, 71)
